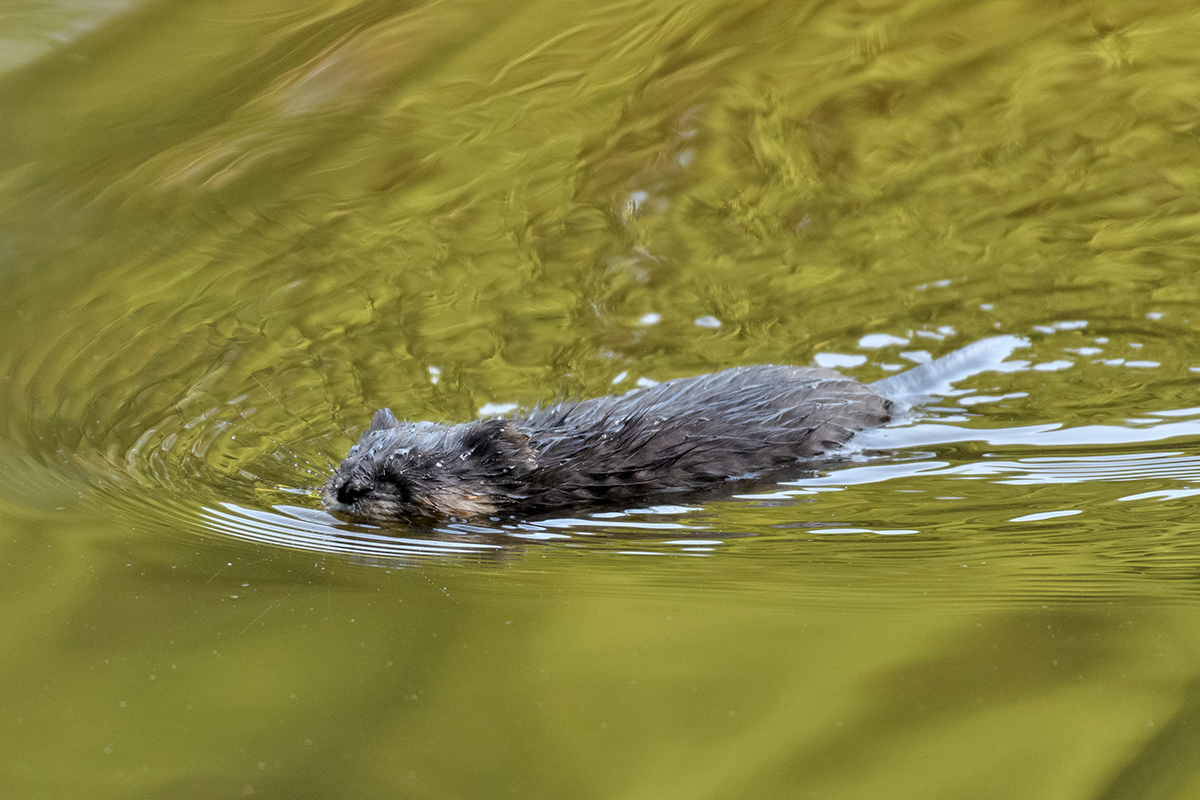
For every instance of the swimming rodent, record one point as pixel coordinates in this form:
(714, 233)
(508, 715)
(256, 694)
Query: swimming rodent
(680, 437)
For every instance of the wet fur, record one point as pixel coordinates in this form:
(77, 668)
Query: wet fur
(681, 437)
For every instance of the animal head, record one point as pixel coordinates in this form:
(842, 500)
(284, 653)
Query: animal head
(413, 470)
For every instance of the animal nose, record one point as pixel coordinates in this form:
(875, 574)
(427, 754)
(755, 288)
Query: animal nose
(351, 489)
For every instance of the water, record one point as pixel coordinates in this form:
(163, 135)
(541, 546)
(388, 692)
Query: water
(229, 232)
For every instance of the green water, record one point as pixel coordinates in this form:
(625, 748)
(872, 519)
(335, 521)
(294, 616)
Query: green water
(229, 231)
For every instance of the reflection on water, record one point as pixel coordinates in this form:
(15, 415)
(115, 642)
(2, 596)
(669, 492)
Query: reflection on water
(186, 465)
(230, 231)
(305, 529)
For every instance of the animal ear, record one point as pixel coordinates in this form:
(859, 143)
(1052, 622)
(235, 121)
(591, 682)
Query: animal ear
(383, 420)
(498, 440)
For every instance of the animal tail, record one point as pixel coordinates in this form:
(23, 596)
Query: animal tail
(938, 376)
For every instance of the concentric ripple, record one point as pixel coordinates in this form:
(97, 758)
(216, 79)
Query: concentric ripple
(214, 430)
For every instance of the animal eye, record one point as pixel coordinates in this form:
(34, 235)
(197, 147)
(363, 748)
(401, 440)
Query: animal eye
(393, 477)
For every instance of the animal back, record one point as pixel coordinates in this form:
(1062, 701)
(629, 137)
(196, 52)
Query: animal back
(689, 433)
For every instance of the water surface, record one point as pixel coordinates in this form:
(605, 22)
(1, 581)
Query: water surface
(230, 231)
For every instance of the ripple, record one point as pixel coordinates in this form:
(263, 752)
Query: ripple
(1050, 435)
(302, 528)
(1035, 470)
(212, 429)
(306, 529)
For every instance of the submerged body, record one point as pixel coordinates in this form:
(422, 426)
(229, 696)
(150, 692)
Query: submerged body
(679, 438)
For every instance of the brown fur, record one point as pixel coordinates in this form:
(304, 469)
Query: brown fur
(677, 438)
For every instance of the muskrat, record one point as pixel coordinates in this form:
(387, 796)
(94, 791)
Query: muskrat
(678, 438)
